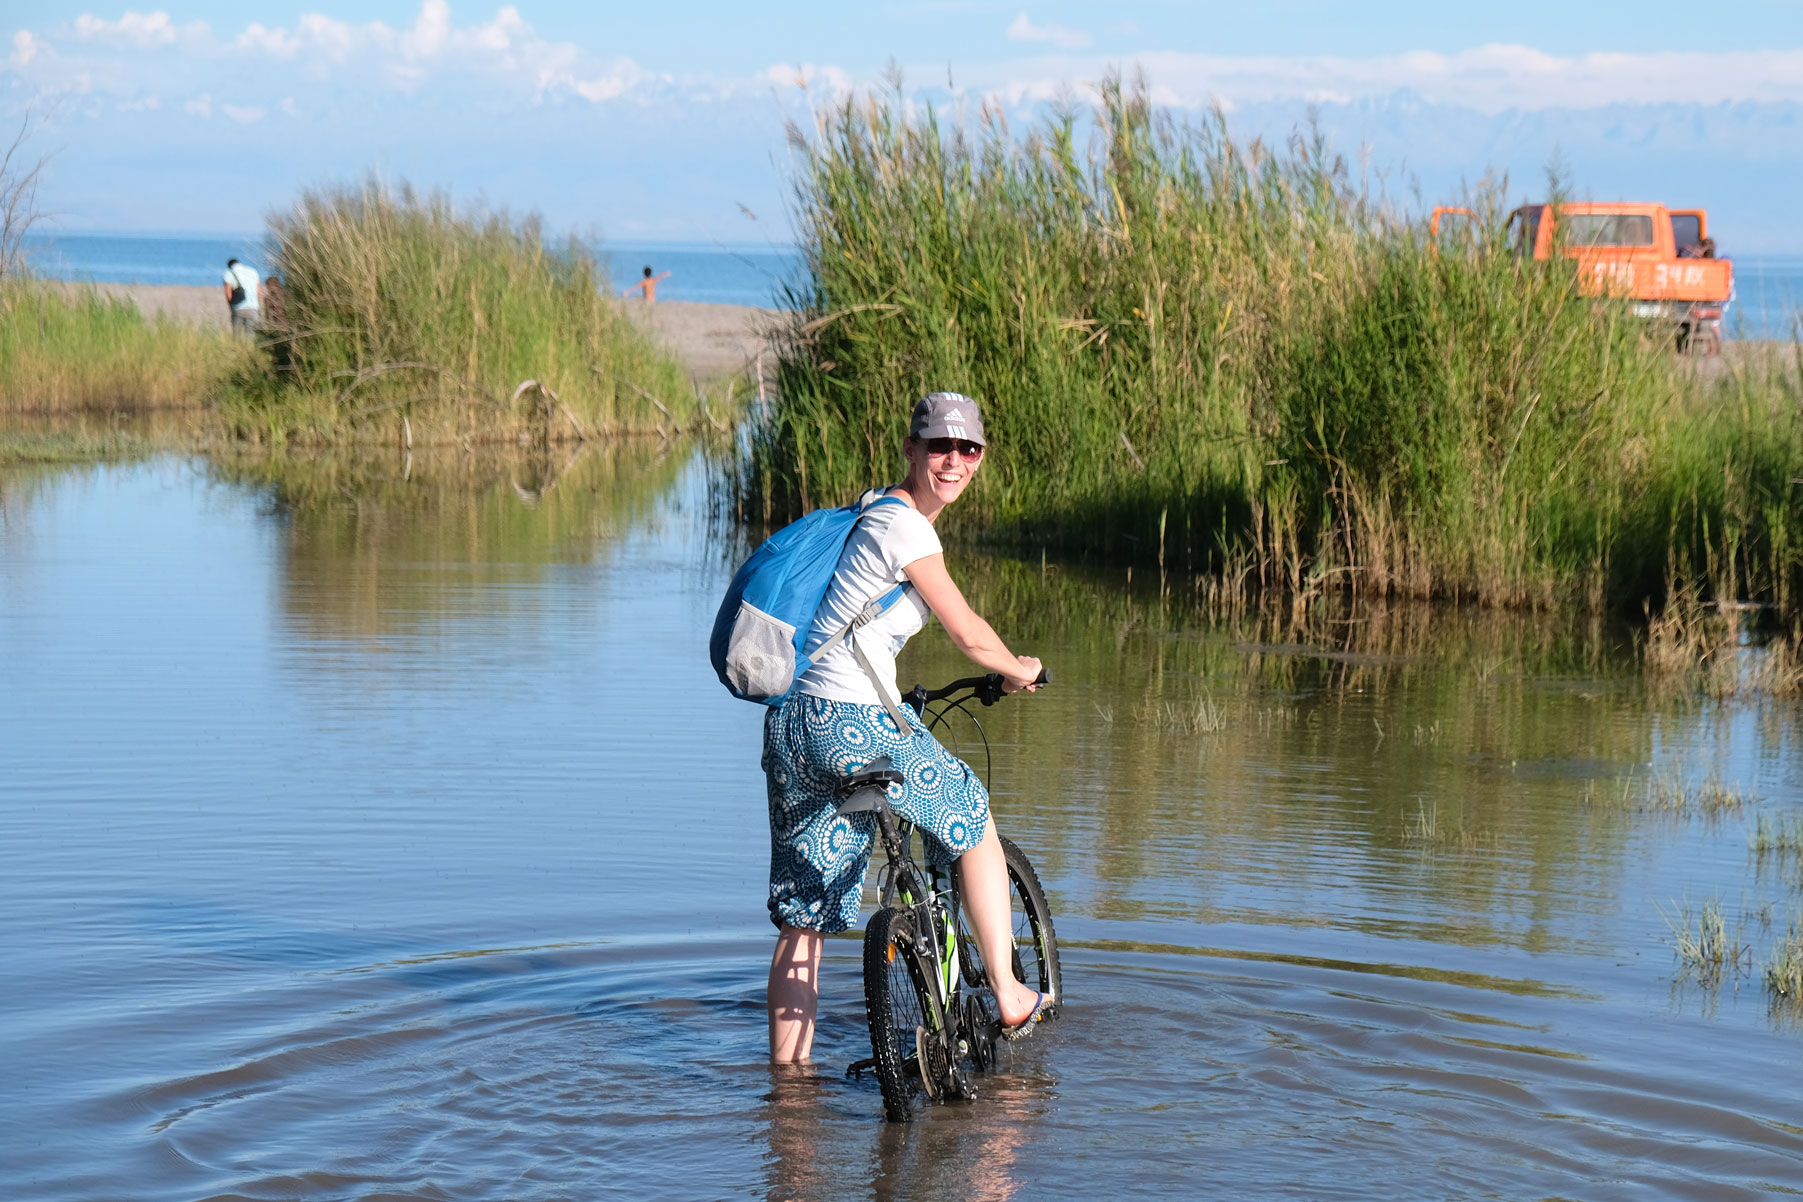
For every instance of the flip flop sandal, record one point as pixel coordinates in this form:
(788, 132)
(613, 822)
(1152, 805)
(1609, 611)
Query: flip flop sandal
(1025, 1027)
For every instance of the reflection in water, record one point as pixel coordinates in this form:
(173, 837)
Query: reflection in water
(1306, 746)
(374, 546)
(818, 1152)
(794, 1118)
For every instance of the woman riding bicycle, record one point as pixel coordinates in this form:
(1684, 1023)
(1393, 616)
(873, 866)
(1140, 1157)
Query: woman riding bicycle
(835, 720)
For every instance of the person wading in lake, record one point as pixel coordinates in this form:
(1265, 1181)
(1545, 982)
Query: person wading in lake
(243, 296)
(648, 286)
(834, 720)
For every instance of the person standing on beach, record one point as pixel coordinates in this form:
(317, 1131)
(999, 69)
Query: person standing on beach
(648, 286)
(244, 296)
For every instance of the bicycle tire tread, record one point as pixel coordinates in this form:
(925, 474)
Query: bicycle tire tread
(899, 1082)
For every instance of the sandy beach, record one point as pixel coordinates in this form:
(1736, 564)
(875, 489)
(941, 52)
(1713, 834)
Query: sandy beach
(719, 340)
(711, 340)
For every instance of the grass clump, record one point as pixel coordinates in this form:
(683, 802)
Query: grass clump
(1710, 798)
(1703, 944)
(1698, 647)
(1424, 827)
(1197, 715)
(1777, 836)
(406, 317)
(1231, 360)
(70, 348)
(1784, 969)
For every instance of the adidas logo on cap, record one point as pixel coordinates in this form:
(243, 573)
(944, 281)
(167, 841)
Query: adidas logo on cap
(954, 416)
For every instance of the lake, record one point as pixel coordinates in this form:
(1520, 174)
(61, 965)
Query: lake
(714, 273)
(376, 828)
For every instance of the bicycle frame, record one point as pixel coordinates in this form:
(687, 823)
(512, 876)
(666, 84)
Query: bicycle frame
(963, 1027)
(903, 884)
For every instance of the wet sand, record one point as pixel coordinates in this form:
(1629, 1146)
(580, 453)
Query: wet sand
(711, 340)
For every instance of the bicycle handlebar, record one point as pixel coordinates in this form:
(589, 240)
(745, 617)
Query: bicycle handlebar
(987, 689)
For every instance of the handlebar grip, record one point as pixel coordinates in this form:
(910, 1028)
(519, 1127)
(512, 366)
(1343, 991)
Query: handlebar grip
(1045, 676)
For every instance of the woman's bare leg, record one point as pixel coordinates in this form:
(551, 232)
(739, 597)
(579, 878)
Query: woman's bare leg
(983, 877)
(794, 995)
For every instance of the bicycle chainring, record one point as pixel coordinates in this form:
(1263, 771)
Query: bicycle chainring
(979, 1031)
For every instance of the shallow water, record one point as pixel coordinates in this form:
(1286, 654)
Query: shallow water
(378, 830)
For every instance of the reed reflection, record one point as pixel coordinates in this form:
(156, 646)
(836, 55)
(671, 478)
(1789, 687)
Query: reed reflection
(1292, 764)
(374, 546)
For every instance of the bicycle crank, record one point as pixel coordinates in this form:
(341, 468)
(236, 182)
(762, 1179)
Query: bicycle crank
(980, 1027)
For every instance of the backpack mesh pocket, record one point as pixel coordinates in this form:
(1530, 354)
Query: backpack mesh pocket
(760, 655)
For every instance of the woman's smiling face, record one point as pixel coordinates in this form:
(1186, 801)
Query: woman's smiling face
(942, 467)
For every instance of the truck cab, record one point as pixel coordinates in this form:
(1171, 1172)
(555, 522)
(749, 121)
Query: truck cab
(1659, 261)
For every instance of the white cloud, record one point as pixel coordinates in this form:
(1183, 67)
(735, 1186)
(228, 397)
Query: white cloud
(140, 29)
(499, 34)
(495, 59)
(199, 106)
(429, 32)
(243, 116)
(1061, 36)
(808, 77)
(615, 83)
(25, 48)
(1487, 78)
(333, 39)
(258, 39)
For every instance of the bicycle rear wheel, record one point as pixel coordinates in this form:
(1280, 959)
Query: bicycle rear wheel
(903, 1012)
(1035, 940)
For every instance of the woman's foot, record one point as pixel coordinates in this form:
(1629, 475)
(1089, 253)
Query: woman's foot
(1024, 1028)
(1021, 1007)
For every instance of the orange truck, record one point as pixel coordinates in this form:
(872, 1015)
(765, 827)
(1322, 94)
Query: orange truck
(1659, 261)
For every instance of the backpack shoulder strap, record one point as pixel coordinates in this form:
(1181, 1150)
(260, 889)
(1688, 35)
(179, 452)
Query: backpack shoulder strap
(875, 608)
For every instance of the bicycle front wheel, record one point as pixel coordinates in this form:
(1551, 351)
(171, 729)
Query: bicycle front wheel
(906, 1022)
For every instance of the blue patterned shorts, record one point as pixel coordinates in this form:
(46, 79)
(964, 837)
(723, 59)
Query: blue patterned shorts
(817, 858)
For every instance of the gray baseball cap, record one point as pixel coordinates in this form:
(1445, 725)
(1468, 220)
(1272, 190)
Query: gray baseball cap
(947, 415)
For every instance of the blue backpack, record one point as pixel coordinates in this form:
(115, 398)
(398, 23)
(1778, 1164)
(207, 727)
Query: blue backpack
(763, 623)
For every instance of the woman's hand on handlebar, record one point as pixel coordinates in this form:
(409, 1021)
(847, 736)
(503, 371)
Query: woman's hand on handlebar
(1030, 676)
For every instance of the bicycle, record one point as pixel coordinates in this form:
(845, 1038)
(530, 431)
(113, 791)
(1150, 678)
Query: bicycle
(926, 996)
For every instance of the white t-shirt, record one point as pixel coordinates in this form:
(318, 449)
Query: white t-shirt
(888, 539)
(246, 277)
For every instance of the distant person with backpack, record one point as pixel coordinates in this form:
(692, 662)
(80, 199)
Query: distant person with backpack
(243, 296)
(844, 710)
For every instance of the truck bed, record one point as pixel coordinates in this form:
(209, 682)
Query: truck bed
(1638, 277)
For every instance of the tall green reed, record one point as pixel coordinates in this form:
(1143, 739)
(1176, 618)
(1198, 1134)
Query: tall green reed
(70, 348)
(401, 306)
(1230, 358)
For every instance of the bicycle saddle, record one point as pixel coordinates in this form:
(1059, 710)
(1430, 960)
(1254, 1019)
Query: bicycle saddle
(868, 788)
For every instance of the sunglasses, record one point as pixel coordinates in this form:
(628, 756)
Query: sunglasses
(941, 447)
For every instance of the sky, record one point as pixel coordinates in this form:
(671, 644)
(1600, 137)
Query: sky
(639, 122)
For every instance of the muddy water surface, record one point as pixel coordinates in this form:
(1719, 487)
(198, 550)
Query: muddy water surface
(379, 831)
